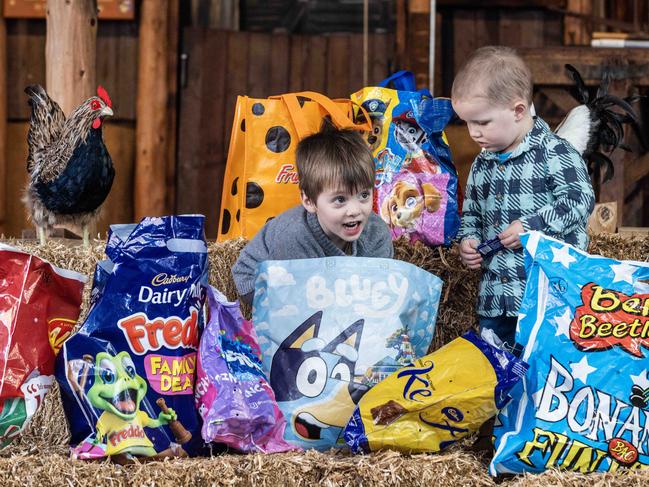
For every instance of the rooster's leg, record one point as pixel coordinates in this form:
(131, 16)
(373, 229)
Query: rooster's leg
(41, 234)
(86, 240)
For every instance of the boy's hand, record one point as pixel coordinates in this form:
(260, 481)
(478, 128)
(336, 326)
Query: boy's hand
(509, 236)
(469, 255)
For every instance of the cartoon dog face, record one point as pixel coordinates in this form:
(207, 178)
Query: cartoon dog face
(406, 202)
(409, 135)
(314, 381)
(373, 138)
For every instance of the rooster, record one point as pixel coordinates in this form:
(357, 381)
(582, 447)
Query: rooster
(70, 170)
(597, 125)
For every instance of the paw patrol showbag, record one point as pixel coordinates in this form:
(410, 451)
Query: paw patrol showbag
(584, 403)
(416, 190)
(127, 376)
(331, 328)
(260, 178)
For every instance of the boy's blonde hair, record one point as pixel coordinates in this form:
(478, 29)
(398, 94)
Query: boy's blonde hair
(497, 73)
(333, 159)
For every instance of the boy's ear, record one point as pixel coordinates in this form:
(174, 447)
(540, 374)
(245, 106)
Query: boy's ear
(308, 204)
(520, 109)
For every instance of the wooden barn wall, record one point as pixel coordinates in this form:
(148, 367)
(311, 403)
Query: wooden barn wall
(116, 71)
(222, 65)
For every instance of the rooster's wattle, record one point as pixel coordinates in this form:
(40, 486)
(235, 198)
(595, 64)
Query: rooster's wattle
(70, 170)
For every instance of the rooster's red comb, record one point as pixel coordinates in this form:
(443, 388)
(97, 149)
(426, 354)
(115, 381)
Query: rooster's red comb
(103, 94)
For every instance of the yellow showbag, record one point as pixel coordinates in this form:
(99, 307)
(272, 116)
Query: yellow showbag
(437, 400)
(260, 178)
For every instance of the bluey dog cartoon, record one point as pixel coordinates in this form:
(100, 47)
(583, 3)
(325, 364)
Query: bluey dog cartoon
(314, 382)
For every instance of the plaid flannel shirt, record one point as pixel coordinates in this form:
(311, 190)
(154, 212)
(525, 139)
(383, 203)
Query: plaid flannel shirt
(544, 184)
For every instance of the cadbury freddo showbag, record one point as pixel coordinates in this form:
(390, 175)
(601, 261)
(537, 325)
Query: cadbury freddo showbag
(127, 376)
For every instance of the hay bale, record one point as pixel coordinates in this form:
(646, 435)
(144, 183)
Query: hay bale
(40, 456)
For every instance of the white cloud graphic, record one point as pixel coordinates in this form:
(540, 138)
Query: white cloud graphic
(262, 325)
(287, 310)
(278, 276)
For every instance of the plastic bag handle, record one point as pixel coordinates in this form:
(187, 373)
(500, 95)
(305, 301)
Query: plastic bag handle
(338, 117)
(404, 81)
(401, 80)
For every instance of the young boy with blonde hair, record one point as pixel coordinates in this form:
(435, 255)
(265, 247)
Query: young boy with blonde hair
(336, 177)
(525, 178)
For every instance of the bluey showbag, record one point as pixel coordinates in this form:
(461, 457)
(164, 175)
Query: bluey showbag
(416, 190)
(127, 376)
(331, 328)
(584, 403)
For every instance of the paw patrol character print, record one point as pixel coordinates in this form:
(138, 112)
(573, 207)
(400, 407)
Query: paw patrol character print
(375, 108)
(410, 136)
(404, 205)
(314, 381)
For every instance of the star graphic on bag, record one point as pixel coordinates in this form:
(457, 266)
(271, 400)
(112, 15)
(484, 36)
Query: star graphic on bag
(640, 379)
(563, 323)
(623, 272)
(562, 254)
(581, 369)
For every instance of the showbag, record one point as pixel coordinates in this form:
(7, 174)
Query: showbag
(438, 400)
(260, 178)
(331, 328)
(584, 403)
(39, 307)
(127, 376)
(233, 397)
(416, 187)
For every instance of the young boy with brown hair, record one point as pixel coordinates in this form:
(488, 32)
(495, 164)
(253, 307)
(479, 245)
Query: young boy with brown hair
(336, 177)
(525, 178)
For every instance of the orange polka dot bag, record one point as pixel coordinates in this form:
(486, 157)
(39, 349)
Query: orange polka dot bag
(260, 179)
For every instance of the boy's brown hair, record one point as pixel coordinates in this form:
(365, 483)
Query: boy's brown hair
(497, 73)
(333, 159)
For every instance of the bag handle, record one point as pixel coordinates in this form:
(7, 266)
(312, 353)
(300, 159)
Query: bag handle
(339, 118)
(404, 81)
(401, 80)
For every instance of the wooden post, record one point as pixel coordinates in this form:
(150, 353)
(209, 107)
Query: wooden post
(172, 102)
(575, 32)
(3, 121)
(151, 133)
(70, 51)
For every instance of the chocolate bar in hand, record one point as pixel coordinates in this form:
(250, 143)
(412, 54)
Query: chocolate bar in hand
(490, 247)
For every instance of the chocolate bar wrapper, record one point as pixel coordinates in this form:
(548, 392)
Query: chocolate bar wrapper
(437, 400)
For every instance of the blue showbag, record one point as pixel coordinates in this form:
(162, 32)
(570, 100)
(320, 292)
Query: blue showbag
(127, 376)
(331, 328)
(416, 186)
(584, 403)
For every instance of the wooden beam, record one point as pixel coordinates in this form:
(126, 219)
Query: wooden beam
(70, 51)
(575, 32)
(151, 132)
(173, 27)
(3, 120)
(547, 64)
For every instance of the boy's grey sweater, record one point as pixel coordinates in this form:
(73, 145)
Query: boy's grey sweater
(297, 234)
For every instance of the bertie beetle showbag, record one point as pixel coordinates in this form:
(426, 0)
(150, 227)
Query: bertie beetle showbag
(416, 188)
(127, 376)
(584, 403)
(331, 328)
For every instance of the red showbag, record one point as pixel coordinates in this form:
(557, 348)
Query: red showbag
(39, 306)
